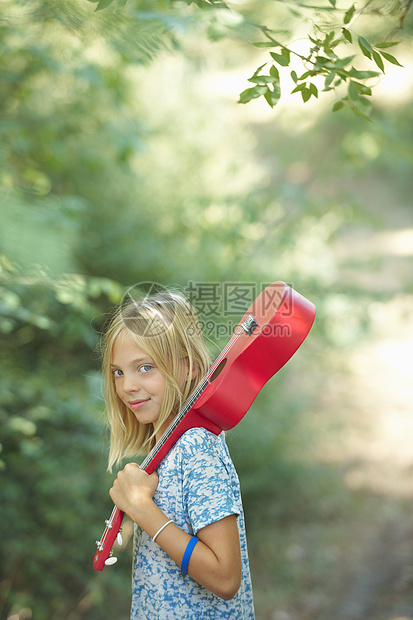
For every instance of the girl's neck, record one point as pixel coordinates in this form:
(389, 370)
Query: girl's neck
(164, 426)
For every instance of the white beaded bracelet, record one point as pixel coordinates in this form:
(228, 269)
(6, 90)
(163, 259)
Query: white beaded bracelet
(162, 528)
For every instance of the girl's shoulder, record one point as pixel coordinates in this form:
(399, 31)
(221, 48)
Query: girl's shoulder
(199, 440)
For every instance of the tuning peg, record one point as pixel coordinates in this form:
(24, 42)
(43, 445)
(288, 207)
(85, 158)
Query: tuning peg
(119, 539)
(111, 560)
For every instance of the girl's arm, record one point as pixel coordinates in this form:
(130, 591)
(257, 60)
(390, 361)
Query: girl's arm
(215, 562)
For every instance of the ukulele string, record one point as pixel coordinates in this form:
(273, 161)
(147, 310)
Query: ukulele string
(109, 525)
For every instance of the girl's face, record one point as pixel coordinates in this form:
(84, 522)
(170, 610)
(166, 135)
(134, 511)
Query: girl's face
(138, 382)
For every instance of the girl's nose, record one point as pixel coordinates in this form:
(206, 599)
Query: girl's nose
(130, 384)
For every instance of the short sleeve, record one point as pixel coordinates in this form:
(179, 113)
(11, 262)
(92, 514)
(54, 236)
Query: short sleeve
(208, 490)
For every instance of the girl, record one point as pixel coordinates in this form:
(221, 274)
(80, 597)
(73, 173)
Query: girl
(190, 557)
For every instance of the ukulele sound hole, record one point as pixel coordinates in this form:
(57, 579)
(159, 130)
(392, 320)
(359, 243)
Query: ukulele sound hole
(218, 370)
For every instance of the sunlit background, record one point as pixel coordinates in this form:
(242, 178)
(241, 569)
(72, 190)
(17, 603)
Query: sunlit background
(124, 157)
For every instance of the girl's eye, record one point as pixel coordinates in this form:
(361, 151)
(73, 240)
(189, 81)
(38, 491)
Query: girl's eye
(146, 368)
(117, 373)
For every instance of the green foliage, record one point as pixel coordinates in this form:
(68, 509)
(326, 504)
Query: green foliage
(266, 85)
(52, 432)
(327, 59)
(206, 4)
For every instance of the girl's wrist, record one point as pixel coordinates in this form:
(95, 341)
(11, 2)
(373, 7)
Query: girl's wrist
(142, 512)
(149, 517)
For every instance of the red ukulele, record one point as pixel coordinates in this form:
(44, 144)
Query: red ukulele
(267, 336)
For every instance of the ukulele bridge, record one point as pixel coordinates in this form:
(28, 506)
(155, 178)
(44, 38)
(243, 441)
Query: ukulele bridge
(249, 325)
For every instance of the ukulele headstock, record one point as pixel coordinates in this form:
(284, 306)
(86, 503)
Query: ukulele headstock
(104, 554)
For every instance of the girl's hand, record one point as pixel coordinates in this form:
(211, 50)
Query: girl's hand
(133, 490)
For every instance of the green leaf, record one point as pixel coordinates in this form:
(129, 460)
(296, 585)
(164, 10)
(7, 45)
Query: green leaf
(274, 72)
(266, 44)
(262, 79)
(273, 96)
(322, 62)
(362, 75)
(363, 89)
(353, 92)
(298, 88)
(362, 108)
(284, 62)
(365, 47)
(286, 53)
(342, 62)
(103, 4)
(329, 38)
(378, 60)
(294, 76)
(313, 90)
(329, 52)
(307, 90)
(256, 72)
(251, 93)
(207, 4)
(282, 59)
(365, 106)
(337, 106)
(328, 81)
(391, 59)
(333, 3)
(385, 44)
(349, 14)
(305, 75)
(347, 35)
(342, 76)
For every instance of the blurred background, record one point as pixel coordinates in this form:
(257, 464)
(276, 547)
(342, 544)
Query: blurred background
(124, 157)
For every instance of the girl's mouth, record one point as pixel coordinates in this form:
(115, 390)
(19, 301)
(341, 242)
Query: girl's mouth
(137, 404)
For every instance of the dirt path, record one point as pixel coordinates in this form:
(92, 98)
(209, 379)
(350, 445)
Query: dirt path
(375, 573)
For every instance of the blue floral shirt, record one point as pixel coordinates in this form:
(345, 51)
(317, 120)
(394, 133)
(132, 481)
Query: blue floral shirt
(198, 485)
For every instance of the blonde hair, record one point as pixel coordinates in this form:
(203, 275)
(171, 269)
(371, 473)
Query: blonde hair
(163, 325)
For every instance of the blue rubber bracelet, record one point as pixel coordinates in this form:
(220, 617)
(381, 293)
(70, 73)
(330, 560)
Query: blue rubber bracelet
(187, 554)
